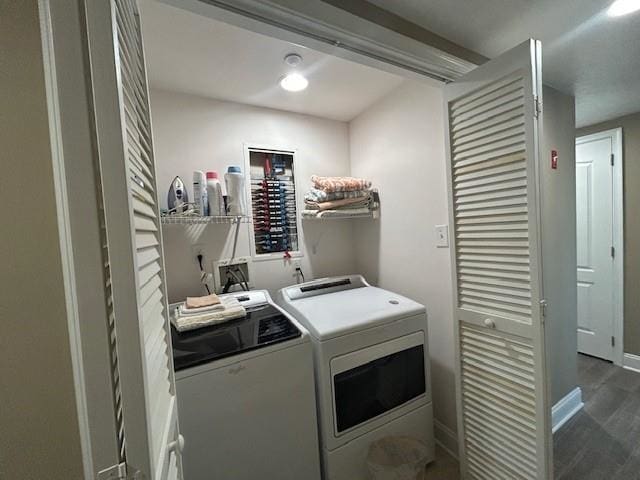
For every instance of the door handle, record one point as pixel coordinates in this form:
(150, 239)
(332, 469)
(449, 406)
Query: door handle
(177, 445)
(489, 323)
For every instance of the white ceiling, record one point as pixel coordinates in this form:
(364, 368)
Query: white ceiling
(197, 55)
(584, 52)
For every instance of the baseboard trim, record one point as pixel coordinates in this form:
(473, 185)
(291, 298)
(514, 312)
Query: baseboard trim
(631, 362)
(446, 438)
(566, 408)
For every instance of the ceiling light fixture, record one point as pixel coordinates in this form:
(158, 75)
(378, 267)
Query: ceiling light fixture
(293, 60)
(294, 82)
(623, 7)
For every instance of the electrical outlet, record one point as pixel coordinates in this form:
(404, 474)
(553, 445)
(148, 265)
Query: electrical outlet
(221, 267)
(298, 274)
(197, 249)
(442, 236)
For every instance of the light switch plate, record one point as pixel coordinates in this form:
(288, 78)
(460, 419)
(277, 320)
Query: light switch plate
(442, 236)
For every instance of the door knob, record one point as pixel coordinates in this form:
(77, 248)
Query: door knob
(489, 323)
(177, 445)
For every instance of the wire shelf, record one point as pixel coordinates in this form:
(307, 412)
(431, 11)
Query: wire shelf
(198, 220)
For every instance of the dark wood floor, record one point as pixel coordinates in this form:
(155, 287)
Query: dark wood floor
(602, 442)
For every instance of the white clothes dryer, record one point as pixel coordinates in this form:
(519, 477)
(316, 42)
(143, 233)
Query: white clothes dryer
(371, 365)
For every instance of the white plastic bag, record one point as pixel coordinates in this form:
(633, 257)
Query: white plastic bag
(397, 458)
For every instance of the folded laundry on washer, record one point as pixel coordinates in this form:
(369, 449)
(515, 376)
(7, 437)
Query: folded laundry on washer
(317, 195)
(200, 302)
(339, 184)
(339, 204)
(228, 309)
(183, 310)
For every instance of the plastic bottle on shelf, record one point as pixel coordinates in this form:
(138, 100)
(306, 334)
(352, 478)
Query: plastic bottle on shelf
(236, 201)
(214, 194)
(200, 193)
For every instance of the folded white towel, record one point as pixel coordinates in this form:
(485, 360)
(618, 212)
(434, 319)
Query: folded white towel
(231, 309)
(184, 311)
(342, 213)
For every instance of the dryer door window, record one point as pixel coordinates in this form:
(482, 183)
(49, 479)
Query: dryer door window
(374, 386)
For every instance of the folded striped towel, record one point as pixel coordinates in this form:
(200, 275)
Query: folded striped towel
(231, 309)
(339, 204)
(340, 184)
(317, 195)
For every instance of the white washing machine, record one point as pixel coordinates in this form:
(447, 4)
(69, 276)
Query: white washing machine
(246, 397)
(372, 368)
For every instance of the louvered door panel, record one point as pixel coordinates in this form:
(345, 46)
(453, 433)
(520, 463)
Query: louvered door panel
(492, 126)
(494, 230)
(147, 241)
(499, 397)
(113, 344)
(143, 378)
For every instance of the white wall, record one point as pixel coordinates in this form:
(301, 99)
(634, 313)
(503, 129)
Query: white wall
(398, 143)
(39, 430)
(558, 208)
(195, 133)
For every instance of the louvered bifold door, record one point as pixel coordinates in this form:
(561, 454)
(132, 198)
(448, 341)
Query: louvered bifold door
(493, 122)
(146, 385)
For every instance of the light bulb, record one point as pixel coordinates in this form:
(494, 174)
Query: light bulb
(294, 82)
(623, 7)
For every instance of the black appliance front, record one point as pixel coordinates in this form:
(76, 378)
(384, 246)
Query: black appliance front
(370, 390)
(263, 326)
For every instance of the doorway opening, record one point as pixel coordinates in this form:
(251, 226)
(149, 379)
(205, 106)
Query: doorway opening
(600, 245)
(220, 98)
(599, 439)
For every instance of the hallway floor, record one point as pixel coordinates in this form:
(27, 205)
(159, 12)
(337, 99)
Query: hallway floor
(603, 440)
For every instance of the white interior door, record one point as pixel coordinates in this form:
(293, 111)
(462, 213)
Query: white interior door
(503, 410)
(144, 382)
(594, 222)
